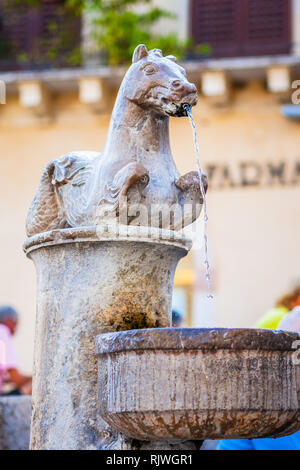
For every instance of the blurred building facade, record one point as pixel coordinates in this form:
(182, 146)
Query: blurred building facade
(249, 139)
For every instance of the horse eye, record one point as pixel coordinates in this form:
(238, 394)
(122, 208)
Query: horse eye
(150, 69)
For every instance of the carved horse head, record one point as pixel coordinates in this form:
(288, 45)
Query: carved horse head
(158, 83)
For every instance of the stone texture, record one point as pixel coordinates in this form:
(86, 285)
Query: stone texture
(199, 384)
(91, 281)
(135, 176)
(15, 412)
(116, 271)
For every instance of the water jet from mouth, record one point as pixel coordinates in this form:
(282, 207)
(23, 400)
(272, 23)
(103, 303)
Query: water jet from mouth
(187, 109)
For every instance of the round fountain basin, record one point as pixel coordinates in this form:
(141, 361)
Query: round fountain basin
(181, 383)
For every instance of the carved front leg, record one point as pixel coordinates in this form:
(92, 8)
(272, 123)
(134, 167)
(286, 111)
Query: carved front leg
(190, 197)
(125, 194)
(190, 182)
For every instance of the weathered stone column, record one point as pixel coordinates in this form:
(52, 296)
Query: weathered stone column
(91, 281)
(15, 414)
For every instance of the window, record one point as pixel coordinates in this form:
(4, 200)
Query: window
(44, 36)
(242, 27)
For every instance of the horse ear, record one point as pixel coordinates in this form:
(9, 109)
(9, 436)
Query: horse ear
(172, 57)
(140, 52)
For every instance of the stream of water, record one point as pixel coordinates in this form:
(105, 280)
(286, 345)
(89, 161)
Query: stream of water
(206, 261)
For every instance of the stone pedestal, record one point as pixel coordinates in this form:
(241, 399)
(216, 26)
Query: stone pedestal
(15, 412)
(91, 281)
(199, 383)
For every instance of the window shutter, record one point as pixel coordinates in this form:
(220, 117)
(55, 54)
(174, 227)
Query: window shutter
(56, 21)
(267, 28)
(36, 37)
(216, 22)
(15, 35)
(242, 27)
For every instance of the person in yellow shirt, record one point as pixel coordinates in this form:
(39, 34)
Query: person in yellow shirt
(283, 306)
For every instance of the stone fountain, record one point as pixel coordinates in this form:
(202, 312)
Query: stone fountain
(104, 234)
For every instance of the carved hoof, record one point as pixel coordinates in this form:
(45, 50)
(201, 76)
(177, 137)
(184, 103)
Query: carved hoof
(191, 181)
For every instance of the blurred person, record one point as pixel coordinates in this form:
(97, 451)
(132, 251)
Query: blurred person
(176, 319)
(282, 307)
(8, 362)
(290, 322)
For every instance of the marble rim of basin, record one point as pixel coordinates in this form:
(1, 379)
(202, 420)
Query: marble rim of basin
(180, 383)
(108, 233)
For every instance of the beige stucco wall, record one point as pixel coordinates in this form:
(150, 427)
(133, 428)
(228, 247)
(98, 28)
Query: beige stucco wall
(253, 232)
(180, 25)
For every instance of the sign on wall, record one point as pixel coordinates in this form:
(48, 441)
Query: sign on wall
(251, 173)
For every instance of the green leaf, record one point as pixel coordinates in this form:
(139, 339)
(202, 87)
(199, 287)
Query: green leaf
(118, 26)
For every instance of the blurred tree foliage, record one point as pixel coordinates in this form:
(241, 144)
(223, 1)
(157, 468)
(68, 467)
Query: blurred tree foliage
(119, 25)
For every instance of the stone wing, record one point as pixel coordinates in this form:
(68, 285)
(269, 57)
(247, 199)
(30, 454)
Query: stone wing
(72, 176)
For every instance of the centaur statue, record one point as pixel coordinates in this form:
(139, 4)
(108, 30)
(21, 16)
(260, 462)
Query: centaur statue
(136, 170)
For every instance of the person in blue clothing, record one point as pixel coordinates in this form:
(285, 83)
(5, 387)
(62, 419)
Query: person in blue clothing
(291, 442)
(291, 322)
